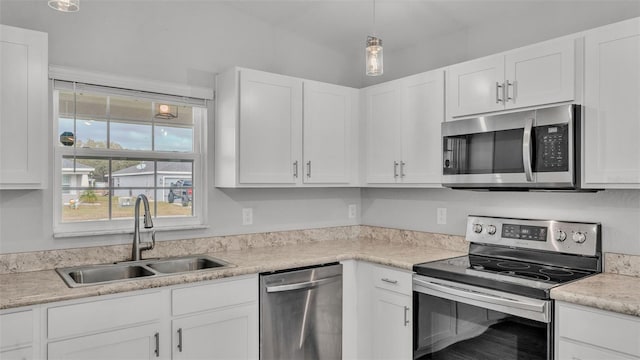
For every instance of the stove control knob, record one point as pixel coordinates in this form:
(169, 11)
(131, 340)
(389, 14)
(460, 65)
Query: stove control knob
(491, 229)
(561, 236)
(477, 228)
(579, 237)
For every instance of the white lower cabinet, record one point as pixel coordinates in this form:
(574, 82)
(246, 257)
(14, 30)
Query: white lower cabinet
(214, 320)
(392, 325)
(584, 333)
(138, 342)
(19, 331)
(224, 334)
(222, 321)
(384, 313)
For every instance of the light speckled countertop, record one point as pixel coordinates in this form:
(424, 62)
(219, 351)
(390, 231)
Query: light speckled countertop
(37, 287)
(606, 291)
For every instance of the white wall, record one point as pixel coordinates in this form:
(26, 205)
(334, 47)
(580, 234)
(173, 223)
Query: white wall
(415, 209)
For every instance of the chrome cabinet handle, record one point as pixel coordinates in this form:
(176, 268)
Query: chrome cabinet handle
(526, 149)
(406, 319)
(390, 281)
(180, 339)
(508, 85)
(295, 169)
(309, 168)
(402, 164)
(498, 88)
(157, 350)
(395, 169)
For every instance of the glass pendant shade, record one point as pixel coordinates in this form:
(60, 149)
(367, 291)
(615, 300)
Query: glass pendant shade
(374, 56)
(65, 5)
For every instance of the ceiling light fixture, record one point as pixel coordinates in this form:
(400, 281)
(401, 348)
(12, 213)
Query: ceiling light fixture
(166, 112)
(373, 52)
(65, 5)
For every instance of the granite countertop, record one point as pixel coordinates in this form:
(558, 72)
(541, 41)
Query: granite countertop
(38, 287)
(606, 291)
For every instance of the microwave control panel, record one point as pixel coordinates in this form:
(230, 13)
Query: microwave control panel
(551, 148)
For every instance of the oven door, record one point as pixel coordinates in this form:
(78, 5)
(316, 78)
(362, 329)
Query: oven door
(462, 322)
(528, 149)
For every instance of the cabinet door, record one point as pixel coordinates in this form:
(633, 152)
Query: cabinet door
(141, 342)
(422, 115)
(475, 87)
(612, 106)
(23, 108)
(270, 128)
(392, 328)
(231, 333)
(383, 133)
(327, 145)
(540, 74)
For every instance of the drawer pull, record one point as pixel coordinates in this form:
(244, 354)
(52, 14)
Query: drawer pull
(390, 281)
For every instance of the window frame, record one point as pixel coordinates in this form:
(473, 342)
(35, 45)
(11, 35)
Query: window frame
(198, 156)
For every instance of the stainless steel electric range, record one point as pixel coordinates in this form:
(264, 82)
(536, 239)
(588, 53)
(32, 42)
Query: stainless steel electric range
(494, 303)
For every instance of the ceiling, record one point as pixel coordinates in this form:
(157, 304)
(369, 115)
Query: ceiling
(344, 24)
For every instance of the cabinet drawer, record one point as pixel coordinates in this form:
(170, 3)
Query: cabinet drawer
(600, 328)
(215, 295)
(103, 315)
(393, 280)
(571, 350)
(16, 329)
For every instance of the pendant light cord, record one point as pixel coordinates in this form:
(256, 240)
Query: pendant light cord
(374, 17)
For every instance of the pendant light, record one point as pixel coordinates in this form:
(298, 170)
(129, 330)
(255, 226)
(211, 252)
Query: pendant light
(65, 5)
(373, 51)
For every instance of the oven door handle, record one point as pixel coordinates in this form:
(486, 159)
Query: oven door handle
(478, 296)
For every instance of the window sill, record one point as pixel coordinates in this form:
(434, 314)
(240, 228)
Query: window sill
(71, 234)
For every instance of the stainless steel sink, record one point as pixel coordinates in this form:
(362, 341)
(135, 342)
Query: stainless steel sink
(109, 273)
(186, 264)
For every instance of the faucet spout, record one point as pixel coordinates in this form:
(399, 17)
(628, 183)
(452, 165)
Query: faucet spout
(138, 246)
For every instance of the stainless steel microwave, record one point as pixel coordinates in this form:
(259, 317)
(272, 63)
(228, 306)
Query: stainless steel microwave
(532, 149)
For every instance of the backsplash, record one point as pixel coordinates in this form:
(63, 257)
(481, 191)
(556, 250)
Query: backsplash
(50, 259)
(622, 264)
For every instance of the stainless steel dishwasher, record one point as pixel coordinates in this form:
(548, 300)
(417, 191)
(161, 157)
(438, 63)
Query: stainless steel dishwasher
(301, 314)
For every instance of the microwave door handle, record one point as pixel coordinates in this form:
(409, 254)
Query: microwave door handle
(526, 149)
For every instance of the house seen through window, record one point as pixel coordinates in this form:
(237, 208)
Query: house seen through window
(112, 145)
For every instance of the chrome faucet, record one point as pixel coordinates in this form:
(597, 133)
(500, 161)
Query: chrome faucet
(138, 246)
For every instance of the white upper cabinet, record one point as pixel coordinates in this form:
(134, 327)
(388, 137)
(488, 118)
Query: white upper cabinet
(259, 137)
(403, 119)
(383, 132)
(329, 149)
(612, 106)
(270, 131)
(475, 86)
(534, 75)
(23, 108)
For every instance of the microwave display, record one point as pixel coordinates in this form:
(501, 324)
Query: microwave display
(551, 148)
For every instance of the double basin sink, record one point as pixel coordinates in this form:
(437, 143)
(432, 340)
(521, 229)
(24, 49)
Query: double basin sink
(100, 274)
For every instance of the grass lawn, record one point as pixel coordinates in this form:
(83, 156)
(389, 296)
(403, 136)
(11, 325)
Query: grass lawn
(100, 210)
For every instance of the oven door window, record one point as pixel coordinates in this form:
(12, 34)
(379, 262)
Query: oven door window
(497, 152)
(447, 329)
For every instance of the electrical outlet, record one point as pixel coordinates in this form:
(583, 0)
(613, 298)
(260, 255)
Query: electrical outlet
(247, 216)
(353, 211)
(442, 216)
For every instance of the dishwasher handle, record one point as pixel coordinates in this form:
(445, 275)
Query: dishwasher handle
(304, 285)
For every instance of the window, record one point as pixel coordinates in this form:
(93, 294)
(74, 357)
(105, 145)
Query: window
(112, 145)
